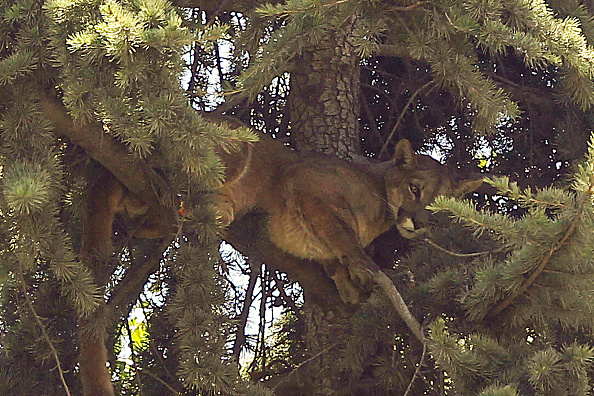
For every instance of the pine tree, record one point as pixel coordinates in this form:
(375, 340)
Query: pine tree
(91, 93)
(525, 298)
(453, 42)
(104, 77)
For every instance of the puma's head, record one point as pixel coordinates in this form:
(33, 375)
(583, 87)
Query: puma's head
(413, 182)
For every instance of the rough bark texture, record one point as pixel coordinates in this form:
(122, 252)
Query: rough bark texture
(324, 111)
(324, 100)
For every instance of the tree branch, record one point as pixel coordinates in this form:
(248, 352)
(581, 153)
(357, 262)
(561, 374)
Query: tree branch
(138, 177)
(412, 98)
(165, 384)
(302, 364)
(446, 251)
(280, 286)
(243, 317)
(370, 117)
(416, 373)
(392, 51)
(545, 260)
(133, 356)
(128, 289)
(387, 286)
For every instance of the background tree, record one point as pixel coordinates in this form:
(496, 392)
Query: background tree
(89, 87)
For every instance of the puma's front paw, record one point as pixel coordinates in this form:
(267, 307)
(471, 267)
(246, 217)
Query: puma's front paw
(347, 291)
(362, 274)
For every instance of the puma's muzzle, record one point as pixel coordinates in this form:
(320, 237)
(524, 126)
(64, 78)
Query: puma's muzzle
(411, 225)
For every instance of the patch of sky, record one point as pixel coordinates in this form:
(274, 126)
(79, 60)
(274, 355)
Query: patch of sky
(239, 271)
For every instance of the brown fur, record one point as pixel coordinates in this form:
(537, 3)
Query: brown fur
(107, 198)
(325, 209)
(320, 208)
(318, 287)
(252, 173)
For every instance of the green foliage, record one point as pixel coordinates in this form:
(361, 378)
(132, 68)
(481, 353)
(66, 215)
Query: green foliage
(202, 317)
(540, 281)
(446, 35)
(120, 63)
(509, 321)
(285, 343)
(29, 188)
(495, 390)
(474, 361)
(470, 362)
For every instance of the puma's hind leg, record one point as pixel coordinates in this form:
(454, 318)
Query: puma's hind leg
(348, 292)
(308, 227)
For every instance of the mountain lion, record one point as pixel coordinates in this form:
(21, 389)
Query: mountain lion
(328, 210)
(318, 207)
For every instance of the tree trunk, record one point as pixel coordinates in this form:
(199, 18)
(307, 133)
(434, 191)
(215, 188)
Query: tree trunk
(93, 358)
(96, 251)
(324, 112)
(324, 99)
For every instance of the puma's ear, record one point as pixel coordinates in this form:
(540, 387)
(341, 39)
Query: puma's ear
(404, 155)
(466, 186)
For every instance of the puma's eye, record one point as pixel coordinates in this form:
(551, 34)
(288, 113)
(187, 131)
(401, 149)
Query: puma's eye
(416, 191)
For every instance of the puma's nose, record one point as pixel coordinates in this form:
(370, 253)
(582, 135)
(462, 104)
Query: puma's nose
(421, 219)
(413, 220)
(411, 224)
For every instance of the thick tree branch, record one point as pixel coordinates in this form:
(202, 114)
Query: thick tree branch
(142, 181)
(138, 177)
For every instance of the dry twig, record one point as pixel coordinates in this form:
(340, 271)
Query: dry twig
(44, 332)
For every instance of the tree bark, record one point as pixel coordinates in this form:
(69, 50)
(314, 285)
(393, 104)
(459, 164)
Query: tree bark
(93, 358)
(324, 99)
(324, 113)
